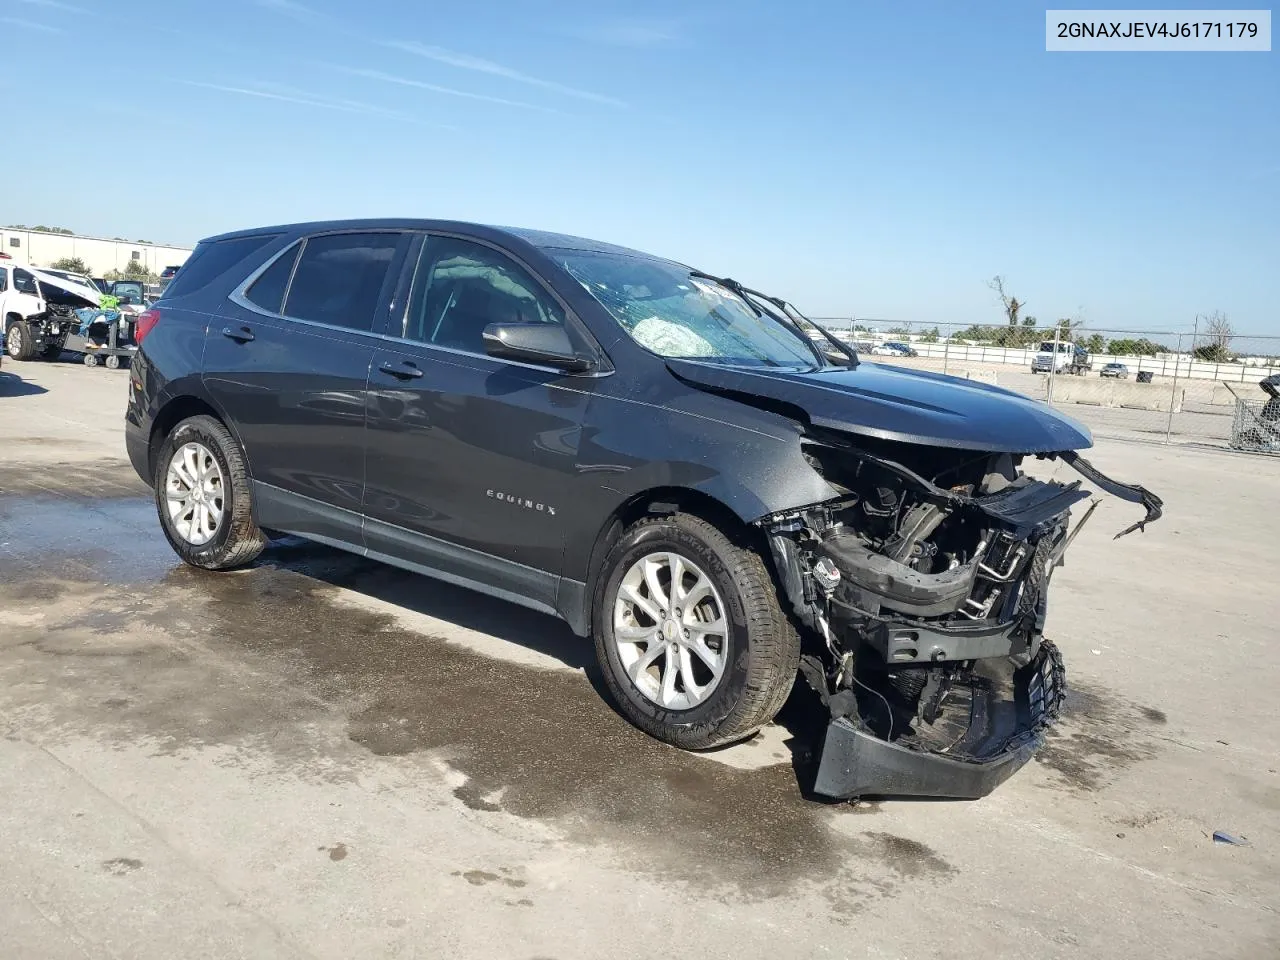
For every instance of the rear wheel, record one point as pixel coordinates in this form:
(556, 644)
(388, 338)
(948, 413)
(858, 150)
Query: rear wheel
(689, 634)
(19, 342)
(204, 498)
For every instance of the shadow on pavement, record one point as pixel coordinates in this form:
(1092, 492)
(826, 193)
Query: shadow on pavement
(12, 385)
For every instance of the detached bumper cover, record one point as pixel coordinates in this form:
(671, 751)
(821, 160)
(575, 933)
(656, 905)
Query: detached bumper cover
(999, 735)
(857, 764)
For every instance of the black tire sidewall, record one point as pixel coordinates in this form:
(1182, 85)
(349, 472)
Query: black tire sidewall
(669, 537)
(196, 430)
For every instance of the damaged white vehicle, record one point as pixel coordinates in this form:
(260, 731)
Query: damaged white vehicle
(39, 310)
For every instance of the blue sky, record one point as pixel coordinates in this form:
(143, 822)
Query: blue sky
(872, 159)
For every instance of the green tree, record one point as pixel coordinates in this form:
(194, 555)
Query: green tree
(1095, 343)
(71, 265)
(931, 336)
(1212, 353)
(1135, 348)
(137, 270)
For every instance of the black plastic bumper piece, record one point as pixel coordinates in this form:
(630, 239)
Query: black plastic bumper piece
(1002, 722)
(858, 764)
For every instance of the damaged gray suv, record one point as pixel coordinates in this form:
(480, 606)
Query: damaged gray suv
(717, 492)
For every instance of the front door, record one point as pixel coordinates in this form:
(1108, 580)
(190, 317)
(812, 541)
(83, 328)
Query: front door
(289, 362)
(470, 458)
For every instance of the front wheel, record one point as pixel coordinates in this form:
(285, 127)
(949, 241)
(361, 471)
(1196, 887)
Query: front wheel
(690, 637)
(204, 498)
(19, 342)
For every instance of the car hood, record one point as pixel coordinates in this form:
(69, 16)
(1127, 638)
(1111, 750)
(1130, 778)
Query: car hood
(894, 403)
(66, 292)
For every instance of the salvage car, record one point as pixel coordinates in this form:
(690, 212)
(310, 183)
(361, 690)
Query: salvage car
(662, 457)
(38, 308)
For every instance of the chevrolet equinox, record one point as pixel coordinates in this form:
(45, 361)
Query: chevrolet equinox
(719, 493)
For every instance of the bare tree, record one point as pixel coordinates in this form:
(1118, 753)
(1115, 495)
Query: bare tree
(1012, 305)
(1219, 330)
(1217, 334)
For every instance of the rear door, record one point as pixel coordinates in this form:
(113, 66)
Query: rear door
(289, 362)
(470, 457)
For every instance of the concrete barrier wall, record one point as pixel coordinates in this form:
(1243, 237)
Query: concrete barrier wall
(1118, 393)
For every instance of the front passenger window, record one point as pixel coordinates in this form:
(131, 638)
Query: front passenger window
(461, 287)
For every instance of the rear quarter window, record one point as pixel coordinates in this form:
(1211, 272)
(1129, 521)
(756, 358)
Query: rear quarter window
(210, 260)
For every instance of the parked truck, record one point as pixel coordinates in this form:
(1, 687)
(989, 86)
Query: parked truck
(1054, 355)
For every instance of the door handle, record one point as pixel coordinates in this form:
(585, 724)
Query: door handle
(242, 335)
(404, 370)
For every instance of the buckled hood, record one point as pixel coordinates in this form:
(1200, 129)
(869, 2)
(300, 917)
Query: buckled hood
(65, 292)
(895, 403)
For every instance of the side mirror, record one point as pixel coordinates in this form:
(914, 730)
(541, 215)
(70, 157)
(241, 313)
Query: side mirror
(544, 343)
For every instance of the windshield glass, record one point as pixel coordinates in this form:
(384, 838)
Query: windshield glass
(1063, 346)
(673, 314)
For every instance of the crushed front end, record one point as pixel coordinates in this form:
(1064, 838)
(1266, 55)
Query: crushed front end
(926, 583)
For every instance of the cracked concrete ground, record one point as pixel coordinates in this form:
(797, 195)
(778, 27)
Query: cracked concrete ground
(324, 757)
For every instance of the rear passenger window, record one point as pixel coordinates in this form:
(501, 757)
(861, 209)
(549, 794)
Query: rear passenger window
(268, 290)
(210, 260)
(339, 278)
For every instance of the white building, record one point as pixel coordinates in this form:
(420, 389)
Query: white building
(40, 249)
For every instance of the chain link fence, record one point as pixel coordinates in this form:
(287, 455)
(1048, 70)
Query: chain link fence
(1174, 386)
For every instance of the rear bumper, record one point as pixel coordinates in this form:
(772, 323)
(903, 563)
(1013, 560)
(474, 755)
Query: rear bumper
(135, 444)
(1005, 725)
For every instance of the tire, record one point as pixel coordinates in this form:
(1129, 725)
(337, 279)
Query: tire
(759, 646)
(235, 539)
(19, 343)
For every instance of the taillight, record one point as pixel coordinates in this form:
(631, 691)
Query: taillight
(147, 319)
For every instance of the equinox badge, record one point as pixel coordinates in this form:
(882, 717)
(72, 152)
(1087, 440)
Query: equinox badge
(520, 502)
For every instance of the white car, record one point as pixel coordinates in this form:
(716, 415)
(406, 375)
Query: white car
(34, 307)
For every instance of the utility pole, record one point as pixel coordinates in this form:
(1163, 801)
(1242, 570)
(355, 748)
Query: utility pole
(1053, 366)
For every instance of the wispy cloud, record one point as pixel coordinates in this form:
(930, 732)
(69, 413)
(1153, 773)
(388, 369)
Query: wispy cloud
(53, 5)
(436, 88)
(291, 8)
(29, 24)
(465, 61)
(631, 33)
(274, 91)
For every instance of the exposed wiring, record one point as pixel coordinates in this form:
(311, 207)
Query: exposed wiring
(844, 662)
(885, 700)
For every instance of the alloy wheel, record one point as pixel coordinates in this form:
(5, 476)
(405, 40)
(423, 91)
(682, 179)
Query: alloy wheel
(195, 494)
(670, 630)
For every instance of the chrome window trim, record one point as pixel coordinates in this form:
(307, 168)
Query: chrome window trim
(489, 358)
(239, 298)
(239, 295)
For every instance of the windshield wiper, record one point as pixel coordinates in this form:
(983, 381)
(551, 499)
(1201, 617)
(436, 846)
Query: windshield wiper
(789, 316)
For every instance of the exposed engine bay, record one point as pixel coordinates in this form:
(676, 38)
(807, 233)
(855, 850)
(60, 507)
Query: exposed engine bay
(926, 584)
